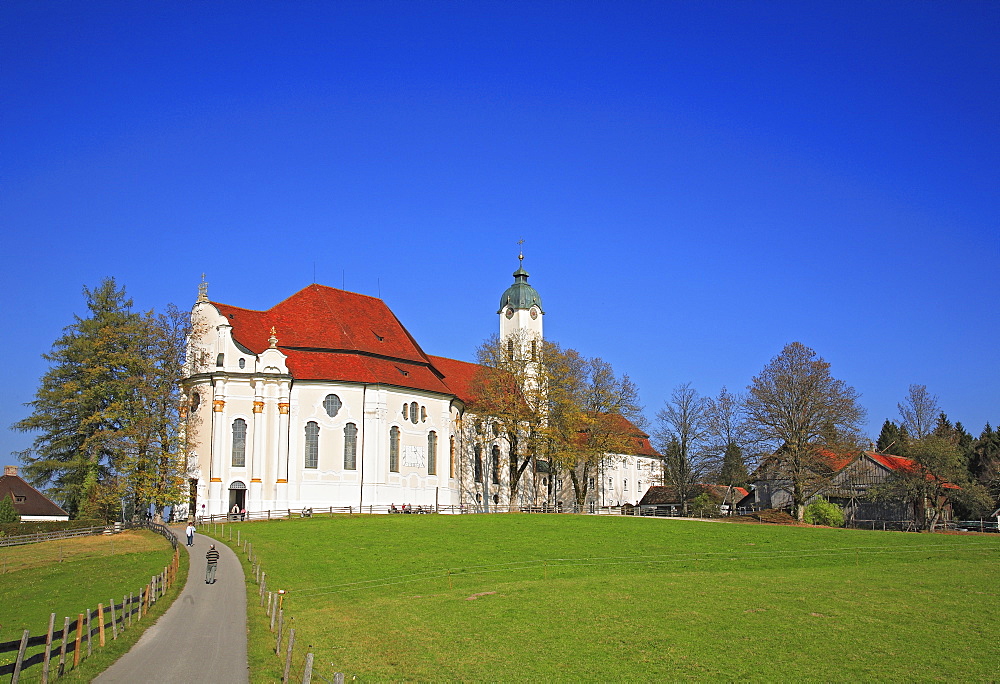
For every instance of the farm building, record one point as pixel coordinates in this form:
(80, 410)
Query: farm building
(326, 399)
(30, 503)
(667, 500)
(847, 481)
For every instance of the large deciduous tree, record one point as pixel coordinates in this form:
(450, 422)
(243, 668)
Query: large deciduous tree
(106, 411)
(508, 391)
(589, 415)
(802, 411)
(682, 432)
(919, 411)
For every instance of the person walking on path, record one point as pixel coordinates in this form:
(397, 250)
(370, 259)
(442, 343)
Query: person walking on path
(195, 640)
(189, 531)
(213, 561)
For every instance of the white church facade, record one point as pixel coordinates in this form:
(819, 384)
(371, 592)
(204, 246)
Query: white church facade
(326, 400)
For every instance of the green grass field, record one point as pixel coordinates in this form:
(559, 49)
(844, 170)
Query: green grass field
(71, 576)
(570, 598)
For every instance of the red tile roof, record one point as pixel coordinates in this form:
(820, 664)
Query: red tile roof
(330, 334)
(458, 376)
(904, 465)
(324, 318)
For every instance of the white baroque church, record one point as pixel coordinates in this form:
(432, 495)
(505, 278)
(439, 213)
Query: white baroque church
(326, 400)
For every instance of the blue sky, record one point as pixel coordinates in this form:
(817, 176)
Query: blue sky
(697, 183)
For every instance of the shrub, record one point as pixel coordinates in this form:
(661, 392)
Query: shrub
(8, 514)
(703, 507)
(822, 512)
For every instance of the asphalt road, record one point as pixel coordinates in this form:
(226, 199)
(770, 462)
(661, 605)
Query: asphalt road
(202, 637)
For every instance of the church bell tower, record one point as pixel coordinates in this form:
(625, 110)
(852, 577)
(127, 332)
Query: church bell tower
(521, 309)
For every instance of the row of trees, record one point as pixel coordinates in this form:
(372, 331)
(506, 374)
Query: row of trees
(106, 412)
(951, 467)
(796, 422)
(550, 403)
(791, 414)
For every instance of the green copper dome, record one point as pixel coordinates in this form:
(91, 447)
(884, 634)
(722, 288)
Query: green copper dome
(520, 295)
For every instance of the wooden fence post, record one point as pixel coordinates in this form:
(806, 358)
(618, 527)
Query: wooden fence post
(20, 657)
(48, 649)
(89, 632)
(274, 611)
(114, 622)
(338, 678)
(62, 647)
(281, 621)
(288, 656)
(79, 637)
(100, 622)
(307, 675)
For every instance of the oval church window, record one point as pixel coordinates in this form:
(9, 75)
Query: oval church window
(332, 405)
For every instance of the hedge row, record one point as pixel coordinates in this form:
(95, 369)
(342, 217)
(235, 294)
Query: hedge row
(31, 527)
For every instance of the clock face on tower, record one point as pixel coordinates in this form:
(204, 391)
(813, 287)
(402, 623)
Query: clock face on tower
(509, 313)
(534, 313)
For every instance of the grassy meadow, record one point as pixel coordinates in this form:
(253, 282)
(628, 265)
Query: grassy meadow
(70, 576)
(571, 598)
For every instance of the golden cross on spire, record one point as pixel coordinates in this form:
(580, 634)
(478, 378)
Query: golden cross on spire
(520, 250)
(203, 289)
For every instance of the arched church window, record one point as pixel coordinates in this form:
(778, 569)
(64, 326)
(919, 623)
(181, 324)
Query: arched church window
(195, 401)
(510, 349)
(220, 360)
(243, 363)
(534, 350)
(406, 410)
(495, 463)
(478, 464)
(394, 449)
(312, 445)
(423, 414)
(414, 407)
(432, 452)
(350, 447)
(451, 456)
(239, 443)
(332, 405)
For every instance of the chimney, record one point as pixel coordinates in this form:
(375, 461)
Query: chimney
(10, 470)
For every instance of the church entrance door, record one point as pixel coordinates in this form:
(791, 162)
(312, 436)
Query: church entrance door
(237, 497)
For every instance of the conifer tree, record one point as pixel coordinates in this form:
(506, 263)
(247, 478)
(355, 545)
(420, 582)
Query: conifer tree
(75, 410)
(106, 411)
(8, 514)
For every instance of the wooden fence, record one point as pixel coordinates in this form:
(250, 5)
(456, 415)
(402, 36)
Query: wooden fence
(21, 539)
(65, 648)
(295, 664)
(285, 513)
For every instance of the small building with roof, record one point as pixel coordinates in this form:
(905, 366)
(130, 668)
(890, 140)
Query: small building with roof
(30, 503)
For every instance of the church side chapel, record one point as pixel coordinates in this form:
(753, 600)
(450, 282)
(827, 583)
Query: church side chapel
(326, 400)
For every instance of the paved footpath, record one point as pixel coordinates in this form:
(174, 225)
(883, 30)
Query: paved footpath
(202, 636)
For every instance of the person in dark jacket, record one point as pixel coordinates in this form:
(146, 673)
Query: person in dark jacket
(213, 561)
